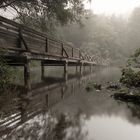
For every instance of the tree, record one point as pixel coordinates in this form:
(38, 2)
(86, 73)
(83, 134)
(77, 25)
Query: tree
(134, 30)
(63, 10)
(44, 15)
(101, 36)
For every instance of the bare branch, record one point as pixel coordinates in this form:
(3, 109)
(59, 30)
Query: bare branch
(13, 6)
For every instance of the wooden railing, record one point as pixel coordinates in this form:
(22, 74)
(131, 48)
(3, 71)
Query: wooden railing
(14, 36)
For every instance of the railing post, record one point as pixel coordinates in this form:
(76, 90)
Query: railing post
(81, 69)
(72, 52)
(21, 40)
(47, 45)
(62, 48)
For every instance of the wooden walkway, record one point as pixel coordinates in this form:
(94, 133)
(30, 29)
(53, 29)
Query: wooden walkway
(20, 45)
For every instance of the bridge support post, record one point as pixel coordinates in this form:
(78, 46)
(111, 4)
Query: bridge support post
(62, 92)
(47, 100)
(72, 88)
(27, 76)
(66, 71)
(42, 70)
(76, 69)
(90, 67)
(84, 67)
(81, 69)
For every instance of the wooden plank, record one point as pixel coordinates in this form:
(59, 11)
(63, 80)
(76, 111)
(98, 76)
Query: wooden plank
(7, 43)
(33, 39)
(8, 27)
(2, 19)
(54, 50)
(33, 35)
(8, 33)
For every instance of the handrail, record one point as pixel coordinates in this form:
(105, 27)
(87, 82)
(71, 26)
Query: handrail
(23, 35)
(10, 22)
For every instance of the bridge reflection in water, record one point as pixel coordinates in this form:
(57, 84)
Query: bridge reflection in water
(44, 97)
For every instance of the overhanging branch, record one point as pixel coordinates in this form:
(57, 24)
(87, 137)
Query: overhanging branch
(7, 4)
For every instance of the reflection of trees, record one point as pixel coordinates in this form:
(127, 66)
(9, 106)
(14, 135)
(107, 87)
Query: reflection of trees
(135, 109)
(47, 127)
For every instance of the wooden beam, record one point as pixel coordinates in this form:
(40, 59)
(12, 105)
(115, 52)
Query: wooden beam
(81, 69)
(21, 40)
(66, 71)
(64, 51)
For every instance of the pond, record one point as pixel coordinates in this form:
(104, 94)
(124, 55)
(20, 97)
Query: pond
(66, 111)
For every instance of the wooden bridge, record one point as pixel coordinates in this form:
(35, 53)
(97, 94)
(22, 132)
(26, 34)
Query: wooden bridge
(19, 45)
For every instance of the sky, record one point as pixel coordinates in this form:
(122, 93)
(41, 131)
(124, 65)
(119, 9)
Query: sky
(117, 7)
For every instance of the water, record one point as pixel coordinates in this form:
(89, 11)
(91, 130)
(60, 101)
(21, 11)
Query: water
(66, 111)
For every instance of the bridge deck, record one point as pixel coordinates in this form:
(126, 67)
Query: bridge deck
(20, 44)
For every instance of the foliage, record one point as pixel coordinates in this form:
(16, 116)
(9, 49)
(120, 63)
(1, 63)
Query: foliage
(130, 77)
(5, 74)
(133, 34)
(134, 60)
(44, 15)
(91, 86)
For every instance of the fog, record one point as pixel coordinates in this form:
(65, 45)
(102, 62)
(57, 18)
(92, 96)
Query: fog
(111, 38)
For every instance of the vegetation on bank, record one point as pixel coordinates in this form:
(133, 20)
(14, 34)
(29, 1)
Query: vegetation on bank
(131, 79)
(131, 75)
(5, 75)
(128, 87)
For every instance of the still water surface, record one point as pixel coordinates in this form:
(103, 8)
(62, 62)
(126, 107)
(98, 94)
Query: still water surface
(66, 111)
